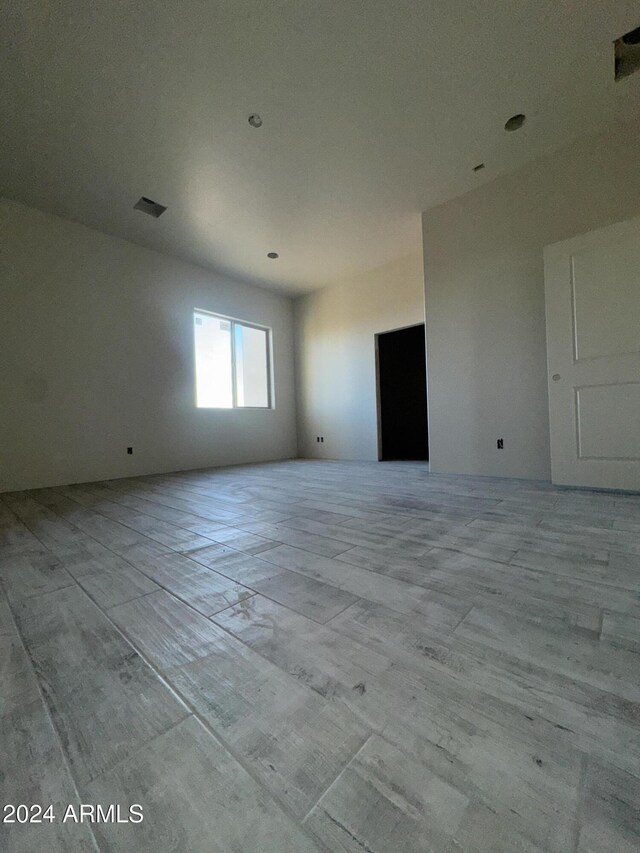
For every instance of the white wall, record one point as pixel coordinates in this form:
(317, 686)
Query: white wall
(486, 348)
(335, 355)
(96, 354)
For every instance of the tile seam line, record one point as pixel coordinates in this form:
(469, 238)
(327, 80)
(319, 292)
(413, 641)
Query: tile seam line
(215, 735)
(170, 551)
(342, 771)
(47, 710)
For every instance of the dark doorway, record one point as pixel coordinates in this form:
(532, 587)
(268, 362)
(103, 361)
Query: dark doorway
(402, 394)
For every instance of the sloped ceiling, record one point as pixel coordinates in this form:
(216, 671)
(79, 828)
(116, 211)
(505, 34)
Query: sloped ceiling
(372, 112)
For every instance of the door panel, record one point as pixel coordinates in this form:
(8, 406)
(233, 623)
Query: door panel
(606, 304)
(592, 292)
(601, 436)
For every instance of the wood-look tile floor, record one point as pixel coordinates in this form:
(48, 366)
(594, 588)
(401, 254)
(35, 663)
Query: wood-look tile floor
(310, 656)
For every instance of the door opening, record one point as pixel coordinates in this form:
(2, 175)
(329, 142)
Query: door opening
(402, 394)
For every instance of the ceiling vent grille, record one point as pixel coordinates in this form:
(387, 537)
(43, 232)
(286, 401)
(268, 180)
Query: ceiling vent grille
(627, 54)
(147, 205)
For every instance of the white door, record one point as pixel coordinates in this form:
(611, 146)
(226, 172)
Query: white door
(592, 290)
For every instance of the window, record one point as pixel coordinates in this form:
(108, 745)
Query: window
(232, 363)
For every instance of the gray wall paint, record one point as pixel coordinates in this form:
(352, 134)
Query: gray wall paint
(335, 355)
(484, 285)
(96, 353)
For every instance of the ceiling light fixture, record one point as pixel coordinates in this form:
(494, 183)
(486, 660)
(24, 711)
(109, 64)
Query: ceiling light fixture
(515, 122)
(273, 255)
(255, 120)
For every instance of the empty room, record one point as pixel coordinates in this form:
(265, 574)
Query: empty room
(320, 426)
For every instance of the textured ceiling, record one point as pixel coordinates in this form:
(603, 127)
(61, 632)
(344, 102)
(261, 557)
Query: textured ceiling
(373, 111)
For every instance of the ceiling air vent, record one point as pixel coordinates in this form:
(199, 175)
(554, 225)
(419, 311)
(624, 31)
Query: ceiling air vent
(147, 205)
(627, 54)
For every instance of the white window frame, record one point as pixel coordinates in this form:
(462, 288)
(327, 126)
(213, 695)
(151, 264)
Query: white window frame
(269, 344)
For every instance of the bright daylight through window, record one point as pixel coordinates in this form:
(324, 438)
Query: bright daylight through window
(232, 363)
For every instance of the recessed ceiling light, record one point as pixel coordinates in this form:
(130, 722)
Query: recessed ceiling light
(478, 167)
(515, 122)
(255, 120)
(147, 205)
(273, 255)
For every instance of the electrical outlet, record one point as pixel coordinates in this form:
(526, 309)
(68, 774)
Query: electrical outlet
(318, 439)
(500, 444)
(321, 438)
(130, 450)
